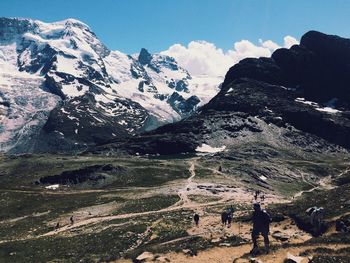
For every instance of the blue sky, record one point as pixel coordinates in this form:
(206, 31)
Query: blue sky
(128, 25)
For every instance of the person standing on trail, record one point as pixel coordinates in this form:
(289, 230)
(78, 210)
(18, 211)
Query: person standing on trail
(229, 220)
(196, 219)
(256, 195)
(57, 226)
(261, 225)
(230, 211)
(224, 217)
(71, 220)
(262, 198)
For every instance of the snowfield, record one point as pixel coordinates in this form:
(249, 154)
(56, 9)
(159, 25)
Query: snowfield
(63, 64)
(205, 148)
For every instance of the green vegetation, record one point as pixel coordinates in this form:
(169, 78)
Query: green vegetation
(153, 203)
(105, 246)
(28, 211)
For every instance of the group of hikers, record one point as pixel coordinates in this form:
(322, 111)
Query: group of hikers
(261, 222)
(261, 225)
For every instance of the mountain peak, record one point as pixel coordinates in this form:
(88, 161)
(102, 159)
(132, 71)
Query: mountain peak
(144, 57)
(329, 46)
(72, 21)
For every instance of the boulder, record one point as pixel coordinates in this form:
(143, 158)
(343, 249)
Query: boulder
(145, 256)
(255, 260)
(280, 236)
(293, 259)
(162, 259)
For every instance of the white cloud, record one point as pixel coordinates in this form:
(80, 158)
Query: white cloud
(290, 41)
(269, 44)
(204, 58)
(200, 58)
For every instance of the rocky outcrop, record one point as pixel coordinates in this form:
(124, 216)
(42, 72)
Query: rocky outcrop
(90, 173)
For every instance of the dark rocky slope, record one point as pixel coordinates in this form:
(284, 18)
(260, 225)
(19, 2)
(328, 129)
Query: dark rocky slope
(299, 98)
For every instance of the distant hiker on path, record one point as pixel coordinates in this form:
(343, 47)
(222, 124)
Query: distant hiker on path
(229, 220)
(224, 218)
(262, 198)
(71, 220)
(57, 226)
(196, 219)
(230, 211)
(261, 225)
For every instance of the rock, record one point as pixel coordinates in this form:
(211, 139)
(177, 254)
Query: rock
(144, 57)
(278, 218)
(255, 260)
(216, 240)
(162, 259)
(224, 244)
(187, 252)
(280, 236)
(145, 256)
(293, 259)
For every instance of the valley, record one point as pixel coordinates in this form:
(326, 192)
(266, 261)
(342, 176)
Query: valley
(119, 218)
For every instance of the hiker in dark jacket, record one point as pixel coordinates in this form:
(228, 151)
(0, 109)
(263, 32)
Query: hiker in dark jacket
(230, 211)
(196, 219)
(224, 218)
(229, 220)
(261, 225)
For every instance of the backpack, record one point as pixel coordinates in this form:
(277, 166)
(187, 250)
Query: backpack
(265, 217)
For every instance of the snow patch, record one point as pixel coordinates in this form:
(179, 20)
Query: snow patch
(205, 148)
(329, 109)
(52, 187)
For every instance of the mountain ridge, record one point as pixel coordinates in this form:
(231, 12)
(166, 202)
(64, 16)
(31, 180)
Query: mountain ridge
(277, 100)
(100, 94)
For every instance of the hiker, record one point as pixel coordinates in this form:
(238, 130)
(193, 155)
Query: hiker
(224, 217)
(71, 220)
(196, 219)
(340, 226)
(229, 220)
(229, 213)
(262, 197)
(230, 210)
(256, 195)
(57, 226)
(316, 218)
(220, 168)
(261, 225)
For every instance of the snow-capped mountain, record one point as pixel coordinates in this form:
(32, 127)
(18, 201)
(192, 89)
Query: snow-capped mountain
(61, 88)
